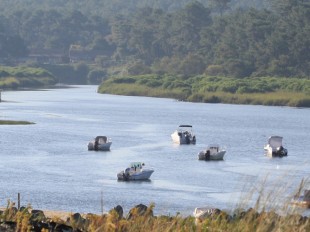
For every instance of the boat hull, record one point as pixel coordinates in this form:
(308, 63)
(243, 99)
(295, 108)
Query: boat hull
(202, 213)
(142, 175)
(270, 152)
(100, 147)
(301, 202)
(218, 156)
(183, 139)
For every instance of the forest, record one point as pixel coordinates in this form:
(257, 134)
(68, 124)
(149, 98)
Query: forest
(195, 38)
(228, 39)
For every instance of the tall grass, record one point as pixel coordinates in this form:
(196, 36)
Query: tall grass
(256, 91)
(272, 99)
(141, 90)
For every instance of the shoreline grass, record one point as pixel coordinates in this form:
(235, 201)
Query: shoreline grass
(279, 98)
(12, 122)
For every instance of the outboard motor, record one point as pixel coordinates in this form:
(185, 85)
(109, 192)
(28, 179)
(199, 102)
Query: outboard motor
(187, 139)
(208, 155)
(281, 151)
(96, 146)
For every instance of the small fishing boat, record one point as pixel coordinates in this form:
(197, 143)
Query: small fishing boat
(303, 200)
(100, 143)
(184, 135)
(274, 147)
(135, 171)
(200, 213)
(213, 152)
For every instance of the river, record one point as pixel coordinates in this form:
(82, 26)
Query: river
(49, 165)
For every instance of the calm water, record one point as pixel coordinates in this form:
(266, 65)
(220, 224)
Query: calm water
(49, 164)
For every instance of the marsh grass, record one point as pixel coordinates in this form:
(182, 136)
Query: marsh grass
(12, 122)
(141, 90)
(255, 91)
(272, 98)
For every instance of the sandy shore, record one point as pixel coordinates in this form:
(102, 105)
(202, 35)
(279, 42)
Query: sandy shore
(57, 214)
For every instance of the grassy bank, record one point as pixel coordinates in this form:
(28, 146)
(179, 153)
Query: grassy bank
(269, 212)
(141, 218)
(25, 77)
(11, 122)
(293, 92)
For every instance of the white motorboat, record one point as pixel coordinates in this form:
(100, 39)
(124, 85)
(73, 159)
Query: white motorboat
(100, 143)
(200, 213)
(274, 147)
(184, 135)
(213, 152)
(136, 171)
(303, 200)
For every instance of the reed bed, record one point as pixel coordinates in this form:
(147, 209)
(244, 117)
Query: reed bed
(194, 90)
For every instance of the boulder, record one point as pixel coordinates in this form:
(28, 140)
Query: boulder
(139, 210)
(37, 215)
(119, 210)
(63, 228)
(8, 226)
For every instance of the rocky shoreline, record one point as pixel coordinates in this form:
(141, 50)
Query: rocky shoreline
(142, 218)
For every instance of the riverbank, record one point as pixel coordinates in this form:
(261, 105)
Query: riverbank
(293, 92)
(141, 218)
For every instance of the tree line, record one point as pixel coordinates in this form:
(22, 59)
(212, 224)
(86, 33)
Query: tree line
(200, 37)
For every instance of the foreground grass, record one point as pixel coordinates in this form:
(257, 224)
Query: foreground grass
(27, 219)
(261, 217)
(11, 122)
(265, 208)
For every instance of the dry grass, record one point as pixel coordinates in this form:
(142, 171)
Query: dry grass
(269, 213)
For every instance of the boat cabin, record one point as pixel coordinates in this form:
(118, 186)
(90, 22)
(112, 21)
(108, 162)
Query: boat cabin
(213, 148)
(275, 141)
(101, 139)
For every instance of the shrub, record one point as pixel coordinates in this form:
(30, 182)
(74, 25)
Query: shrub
(215, 70)
(96, 76)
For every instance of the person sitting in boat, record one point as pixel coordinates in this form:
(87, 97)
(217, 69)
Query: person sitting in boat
(208, 155)
(96, 145)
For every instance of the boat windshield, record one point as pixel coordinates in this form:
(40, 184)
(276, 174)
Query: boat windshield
(185, 128)
(136, 165)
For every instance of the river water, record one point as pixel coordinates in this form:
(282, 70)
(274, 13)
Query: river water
(49, 165)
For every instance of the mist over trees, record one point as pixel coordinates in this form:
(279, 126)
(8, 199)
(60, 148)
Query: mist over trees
(234, 38)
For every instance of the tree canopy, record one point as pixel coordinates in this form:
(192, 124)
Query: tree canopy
(227, 38)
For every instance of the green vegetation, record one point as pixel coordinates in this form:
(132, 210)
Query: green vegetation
(174, 37)
(258, 91)
(25, 77)
(142, 219)
(241, 43)
(11, 122)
